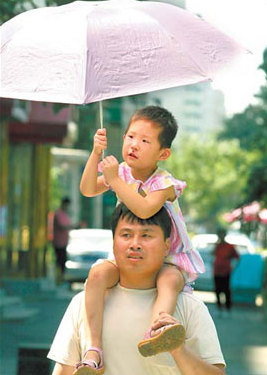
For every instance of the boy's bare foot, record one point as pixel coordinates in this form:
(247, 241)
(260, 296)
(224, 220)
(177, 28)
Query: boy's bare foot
(92, 363)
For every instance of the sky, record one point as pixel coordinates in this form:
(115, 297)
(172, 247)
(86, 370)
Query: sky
(246, 22)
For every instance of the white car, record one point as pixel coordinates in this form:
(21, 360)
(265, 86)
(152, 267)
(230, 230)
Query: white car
(205, 244)
(84, 248)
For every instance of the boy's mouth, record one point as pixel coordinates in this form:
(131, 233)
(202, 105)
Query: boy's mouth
(132, 155)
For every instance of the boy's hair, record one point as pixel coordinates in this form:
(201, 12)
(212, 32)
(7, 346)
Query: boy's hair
(161, 117)
(161, 218)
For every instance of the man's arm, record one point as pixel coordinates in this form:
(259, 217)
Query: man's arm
(61, 369)
(186, 360)
(189, 363)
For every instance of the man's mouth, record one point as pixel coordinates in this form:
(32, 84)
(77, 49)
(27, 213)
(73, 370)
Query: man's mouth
(134, 256)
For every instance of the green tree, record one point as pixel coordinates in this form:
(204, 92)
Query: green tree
(215, 172)
(250, 129)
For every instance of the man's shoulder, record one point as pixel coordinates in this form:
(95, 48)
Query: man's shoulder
(190, 300)
(77, 301)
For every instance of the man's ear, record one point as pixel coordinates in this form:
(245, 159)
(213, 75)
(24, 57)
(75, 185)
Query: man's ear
(168, 246)
(164, 154)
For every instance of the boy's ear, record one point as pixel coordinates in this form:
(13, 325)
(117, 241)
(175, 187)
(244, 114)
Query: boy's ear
(165, 153)
(168, 246)
(123, 137)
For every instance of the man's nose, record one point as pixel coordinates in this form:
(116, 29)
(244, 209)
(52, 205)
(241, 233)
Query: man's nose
(135, 244)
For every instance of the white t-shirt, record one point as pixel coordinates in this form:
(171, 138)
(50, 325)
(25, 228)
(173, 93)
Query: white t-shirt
(126, 319)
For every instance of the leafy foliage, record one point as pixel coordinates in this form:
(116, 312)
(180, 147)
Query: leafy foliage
(250, 129)
(215, 172)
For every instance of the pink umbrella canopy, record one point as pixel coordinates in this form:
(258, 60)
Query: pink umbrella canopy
(89, 51)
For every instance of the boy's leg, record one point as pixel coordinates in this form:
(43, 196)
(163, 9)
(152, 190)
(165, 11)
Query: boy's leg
(101, 277)
(170, 282)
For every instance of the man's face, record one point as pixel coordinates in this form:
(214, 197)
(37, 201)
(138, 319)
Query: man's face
(139, 252)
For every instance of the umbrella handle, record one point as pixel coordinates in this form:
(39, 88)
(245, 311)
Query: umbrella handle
(101, 120)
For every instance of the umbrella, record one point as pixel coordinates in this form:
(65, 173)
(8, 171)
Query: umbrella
(85, 52)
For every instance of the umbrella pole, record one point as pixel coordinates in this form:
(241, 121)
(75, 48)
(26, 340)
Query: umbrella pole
(101, 120)
(101, 114)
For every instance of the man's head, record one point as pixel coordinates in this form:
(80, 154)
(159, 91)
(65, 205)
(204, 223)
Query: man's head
(161, 218)
(221, 233)
(140, 246)
(65, 202)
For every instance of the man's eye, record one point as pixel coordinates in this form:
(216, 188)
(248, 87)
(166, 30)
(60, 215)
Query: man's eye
(145, 235)
(126, 235)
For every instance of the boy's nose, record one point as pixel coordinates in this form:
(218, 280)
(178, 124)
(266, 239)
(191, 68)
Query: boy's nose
(134, 143)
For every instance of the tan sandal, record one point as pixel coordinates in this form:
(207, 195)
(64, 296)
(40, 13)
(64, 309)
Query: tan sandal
(170, 337)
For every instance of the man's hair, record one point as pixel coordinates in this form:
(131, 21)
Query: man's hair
(160, 117)
(161, 218)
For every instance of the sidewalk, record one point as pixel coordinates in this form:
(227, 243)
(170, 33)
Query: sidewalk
(243, 337)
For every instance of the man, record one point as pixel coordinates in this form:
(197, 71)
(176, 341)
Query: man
(61, 226)
(139, 249)
(224, 254)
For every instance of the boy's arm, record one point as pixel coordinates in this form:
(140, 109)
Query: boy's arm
(92, 185)
(143, 207)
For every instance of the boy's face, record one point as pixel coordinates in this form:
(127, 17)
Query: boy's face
(141, 147)
(139, 252)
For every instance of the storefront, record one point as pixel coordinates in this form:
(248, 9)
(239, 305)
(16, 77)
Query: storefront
(25, 181)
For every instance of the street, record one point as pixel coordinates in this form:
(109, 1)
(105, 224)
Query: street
(243, 336)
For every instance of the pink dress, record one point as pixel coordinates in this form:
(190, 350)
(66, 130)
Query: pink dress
(182, 253)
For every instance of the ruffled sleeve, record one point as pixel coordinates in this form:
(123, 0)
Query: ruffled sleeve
(163, 179)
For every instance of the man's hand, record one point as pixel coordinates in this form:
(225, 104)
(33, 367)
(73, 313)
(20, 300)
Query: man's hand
(100, 141)
(110, 168)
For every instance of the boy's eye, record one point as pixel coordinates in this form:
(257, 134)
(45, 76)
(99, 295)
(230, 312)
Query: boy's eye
(145, 141)
(129, 136)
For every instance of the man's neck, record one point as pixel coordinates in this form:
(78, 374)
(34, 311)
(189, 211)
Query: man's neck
(136, 282)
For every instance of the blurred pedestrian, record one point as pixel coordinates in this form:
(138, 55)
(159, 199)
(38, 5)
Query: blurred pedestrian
(61, 226)
(224, 253)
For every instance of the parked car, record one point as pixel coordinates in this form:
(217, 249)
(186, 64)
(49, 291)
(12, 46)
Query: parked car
(84, 248)
(205, 244)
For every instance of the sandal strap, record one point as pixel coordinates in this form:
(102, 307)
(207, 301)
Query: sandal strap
(87, 362)
(148, 333)
(100, 353)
